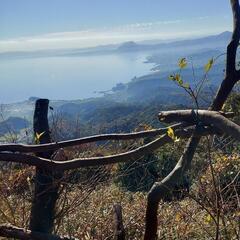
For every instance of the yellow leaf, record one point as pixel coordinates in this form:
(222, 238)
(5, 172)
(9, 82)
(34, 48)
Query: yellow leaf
(208, 66)
(225, 158)
(170, 133)
(38, 136)
(182, 63)
(178, 77)
(178, 217)
(208, 218)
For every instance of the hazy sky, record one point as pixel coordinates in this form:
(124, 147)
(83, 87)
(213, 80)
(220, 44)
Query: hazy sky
(44, 24)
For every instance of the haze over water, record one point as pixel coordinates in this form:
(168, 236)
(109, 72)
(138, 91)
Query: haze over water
(68, 77)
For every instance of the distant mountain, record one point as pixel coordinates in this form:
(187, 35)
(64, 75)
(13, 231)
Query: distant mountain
(219, 40)
(222, 38)
(215, 40)
(129, 46)
(13, 124)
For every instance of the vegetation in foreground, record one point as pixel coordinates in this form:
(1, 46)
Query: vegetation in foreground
(88, 195)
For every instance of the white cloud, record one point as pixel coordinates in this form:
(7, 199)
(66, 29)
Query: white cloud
(92, 37)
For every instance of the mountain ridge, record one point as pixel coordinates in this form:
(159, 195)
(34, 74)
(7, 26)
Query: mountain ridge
(131, 46)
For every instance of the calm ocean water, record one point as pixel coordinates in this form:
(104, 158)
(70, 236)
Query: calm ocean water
(67, 77)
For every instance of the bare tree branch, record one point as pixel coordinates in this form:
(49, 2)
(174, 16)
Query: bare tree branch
(161, 190)
(204, 117)
(232, 75)
(233, 45)
(103, 137)
(96, 161)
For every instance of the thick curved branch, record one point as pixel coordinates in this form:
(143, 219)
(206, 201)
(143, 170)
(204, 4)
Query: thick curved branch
(69, 143)
(203, 117)
(235, 38)
(190, 116)
(232, 75)
(233, 45)
(161, 190)
(10, 231)
(96, 161)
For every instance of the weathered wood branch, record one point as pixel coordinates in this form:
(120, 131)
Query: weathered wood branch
(184, 115)
(232, 75)
(203, 117)
(163, 189)
(96, 161)
(233, 45)
(23, 148)
(9, 231)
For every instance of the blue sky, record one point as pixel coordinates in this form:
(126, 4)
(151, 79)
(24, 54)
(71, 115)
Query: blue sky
(43, 24)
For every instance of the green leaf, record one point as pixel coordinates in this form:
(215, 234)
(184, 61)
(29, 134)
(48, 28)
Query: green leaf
(171, 77)
(209, 65)
(186, 85)
(182, 63)
(178, 78)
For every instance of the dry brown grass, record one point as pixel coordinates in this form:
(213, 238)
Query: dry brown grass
(85, 209)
